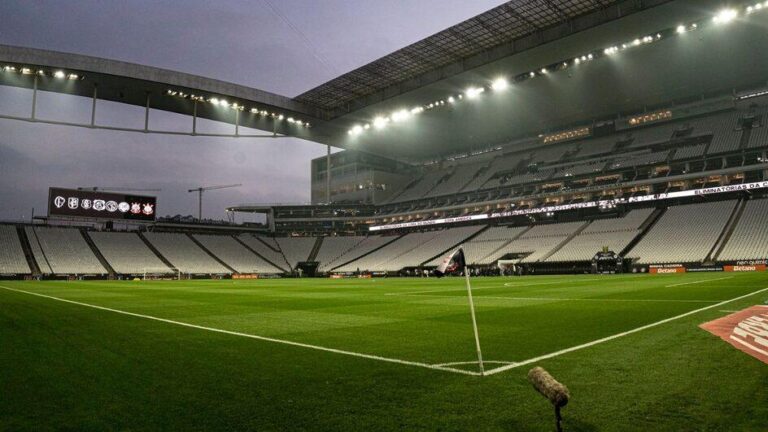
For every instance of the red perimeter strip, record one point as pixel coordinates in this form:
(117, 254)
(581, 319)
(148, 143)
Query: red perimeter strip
(747, 330)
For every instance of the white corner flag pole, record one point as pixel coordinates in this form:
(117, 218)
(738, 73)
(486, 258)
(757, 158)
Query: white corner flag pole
(474, 322)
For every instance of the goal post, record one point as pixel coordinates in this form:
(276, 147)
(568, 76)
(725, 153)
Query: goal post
(156, 273)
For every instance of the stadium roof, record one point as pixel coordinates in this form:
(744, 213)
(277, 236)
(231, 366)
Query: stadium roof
(505, 24)
(513, 39)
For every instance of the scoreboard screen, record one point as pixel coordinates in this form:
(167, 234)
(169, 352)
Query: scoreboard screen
(100, 205)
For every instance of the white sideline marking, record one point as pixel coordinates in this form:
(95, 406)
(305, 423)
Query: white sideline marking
(697, 282)
(616, 336)
(252, 336)
(564, 299)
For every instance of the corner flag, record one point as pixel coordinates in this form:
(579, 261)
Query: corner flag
(453, 263)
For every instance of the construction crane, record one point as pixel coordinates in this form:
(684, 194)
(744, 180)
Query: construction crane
(202, 189)
(116, 189)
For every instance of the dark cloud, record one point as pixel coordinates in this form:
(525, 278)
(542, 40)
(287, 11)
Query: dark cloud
(239, 41)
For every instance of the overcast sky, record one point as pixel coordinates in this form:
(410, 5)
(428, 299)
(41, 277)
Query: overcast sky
(282, 46)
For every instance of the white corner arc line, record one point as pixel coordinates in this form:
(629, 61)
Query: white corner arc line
(616, 336)
(252, 336)
(698, 282)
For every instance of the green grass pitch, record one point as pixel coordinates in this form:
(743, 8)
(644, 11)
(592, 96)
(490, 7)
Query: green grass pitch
(378, 354)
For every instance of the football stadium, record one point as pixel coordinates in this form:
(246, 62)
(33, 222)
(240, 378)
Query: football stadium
(552, 215)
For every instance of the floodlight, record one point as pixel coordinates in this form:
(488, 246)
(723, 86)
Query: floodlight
(725, 16)
(473, 92)
(400, 115)
(380, 122)
(499, 84)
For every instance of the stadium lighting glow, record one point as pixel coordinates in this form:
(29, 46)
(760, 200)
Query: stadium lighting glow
(498, 84)
(73, 76)
(725, 16)
(474, 92)
(356, 130)
(26, 71)
(400, 115)
(380, 122)
(721, 17)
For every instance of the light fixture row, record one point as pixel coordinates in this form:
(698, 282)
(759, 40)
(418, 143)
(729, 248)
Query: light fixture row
(500, 84)
(223, 103)
(63, 75)
(58, 74)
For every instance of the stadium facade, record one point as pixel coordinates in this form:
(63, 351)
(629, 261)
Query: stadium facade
(537, 135)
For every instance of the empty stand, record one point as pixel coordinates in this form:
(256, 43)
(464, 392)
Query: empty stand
(64, 250)
(12, 259)
(267, 248)
(184, 254)
(126, 253)
(296, 249)
(367, 246)
(749, 240)
(616, 234)
(411, 250)
(460, 177)
(235, 255)
(483, 247)
(759, 136)
(421, 187)
(37, 251)
(540, 240)
(684, 234)
(333, 248)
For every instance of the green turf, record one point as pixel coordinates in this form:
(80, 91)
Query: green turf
(69, 367)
